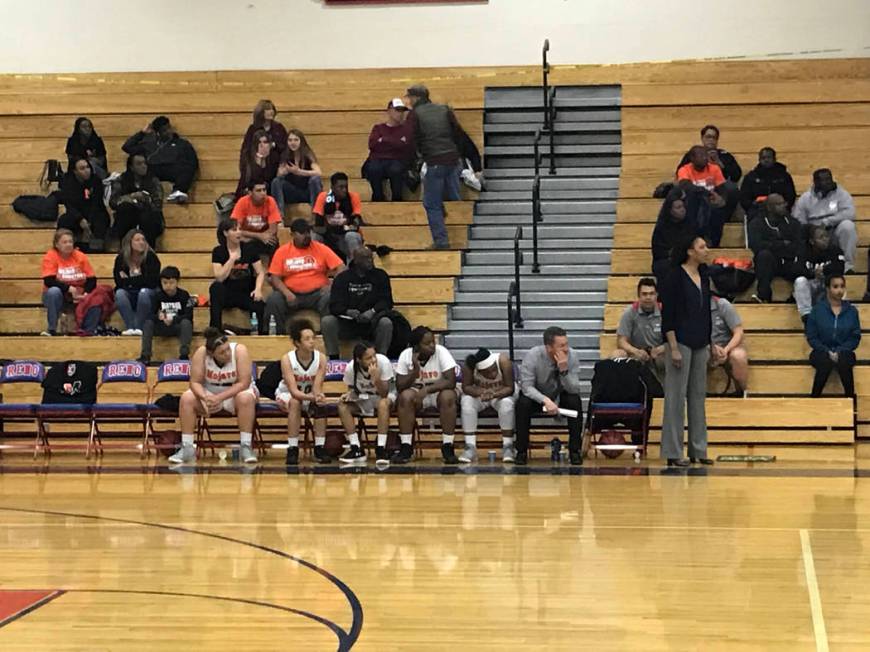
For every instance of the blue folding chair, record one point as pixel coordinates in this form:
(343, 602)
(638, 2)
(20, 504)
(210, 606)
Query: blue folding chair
(21, 371)
(169, 372)
(114, 373)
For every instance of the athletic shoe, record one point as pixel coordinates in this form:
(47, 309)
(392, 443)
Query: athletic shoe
(521, 458)
(177, 197)
(382, 459)
(246, 454)
(144, 359)
(507, 454)
(470, 179)
(48, 333)
(131, 331)
(448, 454)
(404, 455)
(321, 456)
(292, 456)
(354, 456)
(184, 455)
(469, 455)
(575, 457)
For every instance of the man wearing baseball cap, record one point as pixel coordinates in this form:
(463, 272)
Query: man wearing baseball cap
(391, 150)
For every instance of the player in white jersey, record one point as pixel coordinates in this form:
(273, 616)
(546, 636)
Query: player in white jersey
(487, 381)
(220, 380)
(303, 370)
(426, 379)
(371, 389)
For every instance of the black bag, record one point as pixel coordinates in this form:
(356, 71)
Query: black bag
(72, 381)
(37, 207)
(618, 381)
(52, 172)
(269, 379)
(401, 333)
(730, 280)
(169, 403)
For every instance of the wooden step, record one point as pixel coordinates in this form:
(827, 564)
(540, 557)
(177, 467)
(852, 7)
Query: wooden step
(623, 289)
(647, 210)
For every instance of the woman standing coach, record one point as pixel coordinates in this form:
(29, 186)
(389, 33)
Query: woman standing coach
(686, 327)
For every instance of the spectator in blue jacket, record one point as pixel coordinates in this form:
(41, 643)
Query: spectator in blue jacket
(834, 332)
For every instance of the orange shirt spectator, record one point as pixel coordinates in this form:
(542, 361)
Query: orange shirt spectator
(709, 177)
(304, 270)
(256, 218)
(72, 270)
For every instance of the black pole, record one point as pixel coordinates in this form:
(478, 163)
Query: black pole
(537, 153)
(553, 131)
(536, 217)
(545, 67)
(510, 319)
(517, 262)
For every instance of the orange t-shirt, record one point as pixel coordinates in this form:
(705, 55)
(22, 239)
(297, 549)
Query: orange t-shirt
(710, 177)
(256, 218)
(355, 204)
(304, 270)
(72, 271)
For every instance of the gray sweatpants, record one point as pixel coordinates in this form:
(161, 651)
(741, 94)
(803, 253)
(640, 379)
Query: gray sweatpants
(685, 391)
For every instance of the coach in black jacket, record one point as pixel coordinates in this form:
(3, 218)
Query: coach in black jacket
(358, 302)
(778, 244)
(769, 177)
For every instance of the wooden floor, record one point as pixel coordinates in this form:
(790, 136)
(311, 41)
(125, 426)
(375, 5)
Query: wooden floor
(621, 556)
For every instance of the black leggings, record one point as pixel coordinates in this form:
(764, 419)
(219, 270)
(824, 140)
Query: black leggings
(823, 365)
(221, 297)
(129, 217)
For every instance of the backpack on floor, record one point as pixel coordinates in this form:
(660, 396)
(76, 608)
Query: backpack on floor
(73, 381)
(401, 333)
(731, 276)
(37, 207)
(618, 381)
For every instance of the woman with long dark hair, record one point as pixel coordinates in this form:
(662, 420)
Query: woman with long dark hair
(137, 199)
(672, 227)
(259, 164)
(263, 119)
(298, 177)
(84, 142)
(86, 215)
(238, 276)
(687, 329)
(137, 277)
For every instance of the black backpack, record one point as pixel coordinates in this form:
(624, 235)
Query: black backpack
(269, 379)
(72, 381)
(37, 207)
(401, 333)
(618, 381)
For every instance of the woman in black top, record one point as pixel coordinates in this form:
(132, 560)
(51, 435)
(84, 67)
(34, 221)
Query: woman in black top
(85, 143)
(686, 328)
(86, 215)
(259, 164)
(239, 276)
(137, 277)
(298, 177)
(137, 199)
(672, 228)
(264, 120)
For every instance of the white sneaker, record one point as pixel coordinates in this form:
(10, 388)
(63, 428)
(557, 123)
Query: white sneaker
(131, 331)
(470, 179)
(507, 455)
(184, 455)
(177, 197)
(246, 454)
(469, 455)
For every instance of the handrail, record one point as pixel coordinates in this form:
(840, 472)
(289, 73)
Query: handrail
(536, 217)
(512, 290)
(518, 260)
(552, 130)
(545, 68)
(536, 150)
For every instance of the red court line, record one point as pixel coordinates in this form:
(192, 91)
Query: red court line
(17, 603)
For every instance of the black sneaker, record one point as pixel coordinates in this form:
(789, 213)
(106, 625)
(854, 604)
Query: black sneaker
(292, 456)
(321, 456)
(404, 455)
(355, 455)
(144, 359)
(449, 454)
(521, 458)
(382, 458)
(575, 457)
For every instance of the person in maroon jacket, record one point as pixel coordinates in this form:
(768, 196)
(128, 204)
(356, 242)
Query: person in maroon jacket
(391, 149)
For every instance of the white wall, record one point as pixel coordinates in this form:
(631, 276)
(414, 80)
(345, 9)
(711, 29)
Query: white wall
(125, 35)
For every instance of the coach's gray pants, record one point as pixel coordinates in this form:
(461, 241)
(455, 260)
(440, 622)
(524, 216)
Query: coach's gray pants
(686, 385)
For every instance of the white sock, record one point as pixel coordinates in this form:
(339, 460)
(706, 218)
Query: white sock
(293, 442)
(382, 441)
(471, 440)
(353, 439)
(405, 439)
(320, 441)
(446, 439)
(245, 438)
(507, 441)
(186, 440)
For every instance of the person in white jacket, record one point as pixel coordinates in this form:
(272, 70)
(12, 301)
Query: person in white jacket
(831, 206)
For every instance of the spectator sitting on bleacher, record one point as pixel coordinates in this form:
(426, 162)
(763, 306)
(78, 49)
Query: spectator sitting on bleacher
(137, 277)
(823, 258)
(709, 195)
(435, 131)
(834, 332)
(259, 217)
(778, 244)
(337, 217)
(487, 382)
(67, 277)
(137, 199)
(301, 273)
(672, 227)
(769, 177)
(264, 120)
(391, 150)
(172, 315)
(830, 205)
(85, 143)
(360, 298)
(639, 334)
(724, 159)
(298, 179)
(170, 157)
(727, 350)
(259, 164)
(85, 215)
(425, 379)
(239, 277)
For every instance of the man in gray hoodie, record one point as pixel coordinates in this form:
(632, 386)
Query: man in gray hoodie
(832, 207)
(549, 380)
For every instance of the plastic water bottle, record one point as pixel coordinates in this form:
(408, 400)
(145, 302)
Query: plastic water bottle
(255, 324)
(273, 326)
(555, 449)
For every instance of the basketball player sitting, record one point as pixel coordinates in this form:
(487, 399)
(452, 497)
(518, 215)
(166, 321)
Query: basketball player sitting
(301, 388)
(220, 380)
(426, 379)
(487, 381)
(371, 382)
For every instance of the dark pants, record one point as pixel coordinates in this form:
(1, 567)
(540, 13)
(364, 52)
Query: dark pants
(378, 170)
(660, 269)
(183, 330)
(710, 219)
(128, 217)
(823, 365)
(335, 329)
(768, 267)
(526, 408)
(180, 173)
(97, 219)
(221, 297)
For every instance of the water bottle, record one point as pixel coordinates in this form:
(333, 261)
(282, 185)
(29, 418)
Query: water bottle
(273, 326)
(555, 449)
(255, 324)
